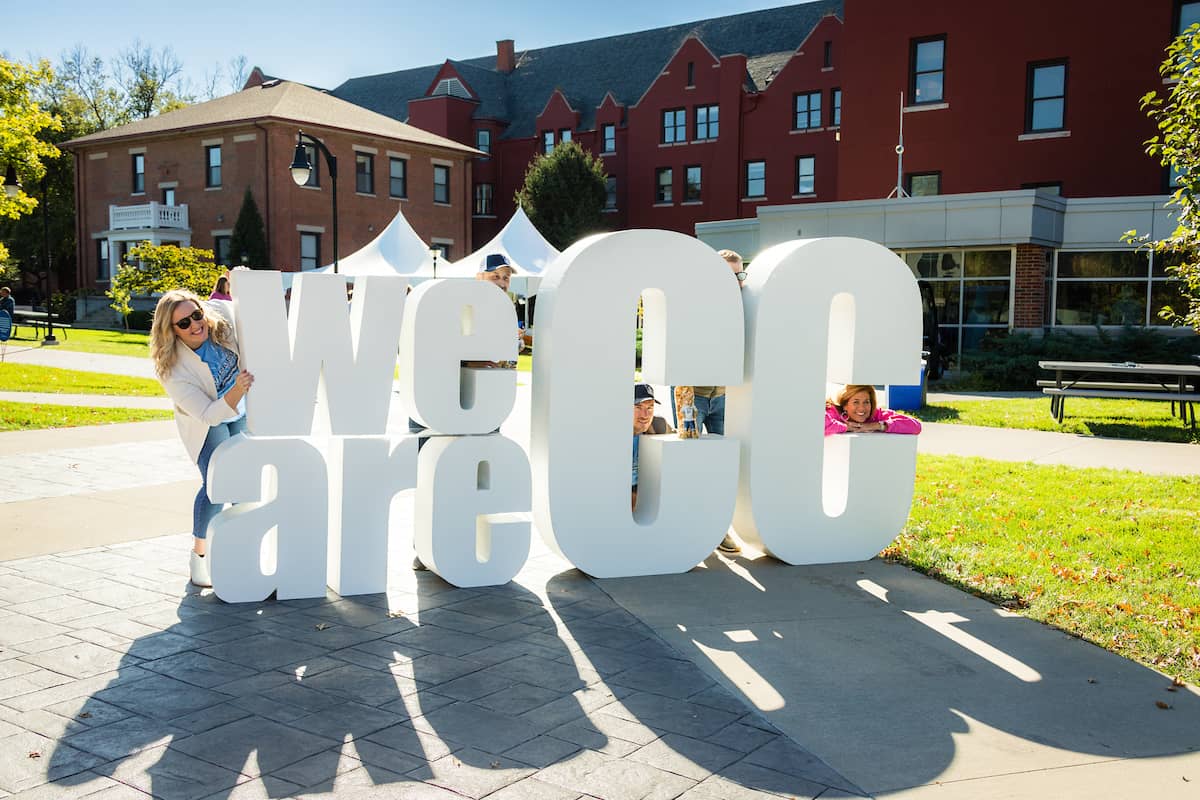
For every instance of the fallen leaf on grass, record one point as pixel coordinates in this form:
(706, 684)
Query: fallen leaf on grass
(1162, 705)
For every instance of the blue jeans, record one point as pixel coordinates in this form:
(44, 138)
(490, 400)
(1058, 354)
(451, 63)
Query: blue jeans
(203, 510)
(710, 412)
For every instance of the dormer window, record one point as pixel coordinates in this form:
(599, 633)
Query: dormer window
(451, 87)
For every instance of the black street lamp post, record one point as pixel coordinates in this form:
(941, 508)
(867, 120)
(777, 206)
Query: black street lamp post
(301, 168)
(49, 340)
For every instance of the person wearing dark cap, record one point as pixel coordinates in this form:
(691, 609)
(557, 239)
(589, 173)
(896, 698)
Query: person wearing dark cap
(495, 268)
(644, 421)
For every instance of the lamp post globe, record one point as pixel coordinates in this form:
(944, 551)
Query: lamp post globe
(12, 185)
(301, 167)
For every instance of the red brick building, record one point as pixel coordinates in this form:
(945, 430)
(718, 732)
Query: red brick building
(181, 178)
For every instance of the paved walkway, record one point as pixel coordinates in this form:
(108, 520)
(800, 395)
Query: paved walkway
(743, 678)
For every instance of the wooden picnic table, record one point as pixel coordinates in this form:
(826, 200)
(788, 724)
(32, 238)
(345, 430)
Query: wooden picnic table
(1127, 380)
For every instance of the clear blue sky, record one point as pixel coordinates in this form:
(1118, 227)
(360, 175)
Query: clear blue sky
(325, 43)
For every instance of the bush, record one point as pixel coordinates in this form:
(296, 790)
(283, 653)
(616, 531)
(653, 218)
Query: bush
(1010, 361)
(63, 304)
(140, 320)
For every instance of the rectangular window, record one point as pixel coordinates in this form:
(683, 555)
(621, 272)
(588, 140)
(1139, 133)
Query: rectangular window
(139, 173)
(971, 291)
(692, 184)
(310, 250)
(102, 264)
(610, 194)
(441, 183)
(707, 121)
(397, 177)
(564, 135)
(609, 133)
(808, 111)
(212, 161)
(1045, 107)
(484, 194)
(547, 142)
(1189, 15)
(923, 184)
(222, 245)
(927, 78)
(836, 104)
(483, 141)
(364, 173)
(756, 178)
(806, 175)
(828, 54)
(691, 73)
(314, 174)
(168, 196)
(1110, 287)
(674, 126)
(663, 182)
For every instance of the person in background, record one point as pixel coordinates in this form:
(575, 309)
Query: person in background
(6, 301)
(195, 351)
(221, 289)
(856, 410)
(644, 421)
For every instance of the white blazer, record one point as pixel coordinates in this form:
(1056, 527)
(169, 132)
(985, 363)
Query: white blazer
(190, 386)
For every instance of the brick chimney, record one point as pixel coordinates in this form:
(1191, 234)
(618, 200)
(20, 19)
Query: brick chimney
(506, 60)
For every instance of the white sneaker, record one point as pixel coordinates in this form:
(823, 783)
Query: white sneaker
(200, 575)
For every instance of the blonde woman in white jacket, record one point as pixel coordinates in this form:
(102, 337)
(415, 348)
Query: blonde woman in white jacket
(196, 358)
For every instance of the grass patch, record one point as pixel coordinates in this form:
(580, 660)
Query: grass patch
(34, 378)
(1106, 555)
(109, 343)
(1091, 416)
(36, 416)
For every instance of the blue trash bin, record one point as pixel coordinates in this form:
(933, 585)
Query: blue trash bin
(908, 398)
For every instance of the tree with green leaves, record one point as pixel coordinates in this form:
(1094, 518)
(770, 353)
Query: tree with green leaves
(564, 193)
(249, 236)
(1177, 146)
(23, 127)
(160, 268)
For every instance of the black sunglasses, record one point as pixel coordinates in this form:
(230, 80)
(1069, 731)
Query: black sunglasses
(187, 321)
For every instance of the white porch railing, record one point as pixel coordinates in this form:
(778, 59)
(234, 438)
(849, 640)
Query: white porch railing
(147, 215)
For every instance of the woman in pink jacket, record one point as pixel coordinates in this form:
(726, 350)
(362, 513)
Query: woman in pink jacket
(856, 410)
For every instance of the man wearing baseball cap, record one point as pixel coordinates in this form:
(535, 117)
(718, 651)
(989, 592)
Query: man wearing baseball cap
(644, 421)
(496, 269)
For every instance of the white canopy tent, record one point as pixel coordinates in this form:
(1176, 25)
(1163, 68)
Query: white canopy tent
(397, 250)
(526, 249)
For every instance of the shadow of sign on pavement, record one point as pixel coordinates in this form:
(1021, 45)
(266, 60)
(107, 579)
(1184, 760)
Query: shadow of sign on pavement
(896, 680)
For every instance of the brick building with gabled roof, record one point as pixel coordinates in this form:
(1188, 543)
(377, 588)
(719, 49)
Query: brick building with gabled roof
(180, 178)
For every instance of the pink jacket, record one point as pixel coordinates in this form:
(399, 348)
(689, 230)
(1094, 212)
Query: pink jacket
(835, 421)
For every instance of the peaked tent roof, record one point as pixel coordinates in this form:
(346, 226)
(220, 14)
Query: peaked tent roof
(526, 249)
(283, 100)
(397, 250)
(626, 65)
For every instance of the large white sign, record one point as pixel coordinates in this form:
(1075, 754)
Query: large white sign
(315, 477)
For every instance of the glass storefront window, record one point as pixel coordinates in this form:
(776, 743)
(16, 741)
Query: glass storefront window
(1105, 264)
(970, 288)
(1100, 303)
(1166, 293)
(985, 302)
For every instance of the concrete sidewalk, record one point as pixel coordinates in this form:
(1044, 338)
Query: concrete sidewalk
(743, 678)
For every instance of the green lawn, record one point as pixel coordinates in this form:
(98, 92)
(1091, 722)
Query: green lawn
(1122, 419)
(34, 416)
(1107, 555)
(34, 378)
(111, 343)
